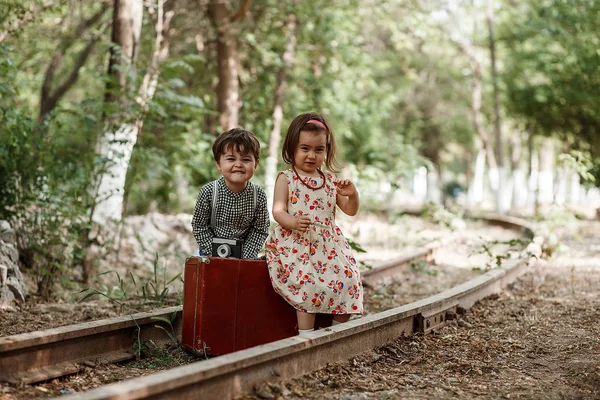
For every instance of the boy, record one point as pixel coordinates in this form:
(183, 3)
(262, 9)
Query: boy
(240, 211)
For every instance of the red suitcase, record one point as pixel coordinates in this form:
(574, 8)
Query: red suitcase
(229, 305)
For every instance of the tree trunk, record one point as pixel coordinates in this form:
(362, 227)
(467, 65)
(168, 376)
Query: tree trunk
(228, 93)
(476, 113)
(475, 195)
(532, 172)
(517, 179)
(477, 116)
(127, 28)
(121, 134)
(119, 138)
(500, 205)
(49, 98)
(574, 189)
(562, 177)
(419, 184)
(431, 150)
(546, 174)
(275, 136)
(116, 147)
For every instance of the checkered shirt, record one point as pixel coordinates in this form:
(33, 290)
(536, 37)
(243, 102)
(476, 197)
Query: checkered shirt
(237, 217)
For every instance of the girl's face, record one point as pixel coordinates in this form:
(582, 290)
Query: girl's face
(310, 152)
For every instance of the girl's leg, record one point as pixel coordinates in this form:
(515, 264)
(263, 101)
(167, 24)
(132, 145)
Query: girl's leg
(341, 318)
(305, 320)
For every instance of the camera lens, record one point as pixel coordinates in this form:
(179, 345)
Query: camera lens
(223, 250)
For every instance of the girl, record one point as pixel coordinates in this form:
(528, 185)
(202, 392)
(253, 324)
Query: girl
(310, 262)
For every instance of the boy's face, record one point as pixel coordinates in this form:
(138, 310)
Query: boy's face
(236, 168)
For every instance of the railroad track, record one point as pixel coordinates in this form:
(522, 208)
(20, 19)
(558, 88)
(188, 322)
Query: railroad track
(42, 355)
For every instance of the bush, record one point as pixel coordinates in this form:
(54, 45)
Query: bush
(42, 196)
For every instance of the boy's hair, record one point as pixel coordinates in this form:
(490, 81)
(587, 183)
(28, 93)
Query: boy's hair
(299, 124)
(236, 139)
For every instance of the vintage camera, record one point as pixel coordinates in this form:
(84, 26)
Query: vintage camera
(227, 248)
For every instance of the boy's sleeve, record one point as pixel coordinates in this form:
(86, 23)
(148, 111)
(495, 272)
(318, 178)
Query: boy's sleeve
(201, 220)
(260, 227)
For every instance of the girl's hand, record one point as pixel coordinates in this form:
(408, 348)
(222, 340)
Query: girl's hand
(345, 187)
(302, 223)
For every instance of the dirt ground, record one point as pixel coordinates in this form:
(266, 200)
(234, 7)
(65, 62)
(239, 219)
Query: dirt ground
(539, 339)
(34, 315)
(451, 266)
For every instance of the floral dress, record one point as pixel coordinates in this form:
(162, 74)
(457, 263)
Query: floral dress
(315, 271)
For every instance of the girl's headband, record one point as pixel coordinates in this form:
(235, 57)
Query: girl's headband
(319, 123)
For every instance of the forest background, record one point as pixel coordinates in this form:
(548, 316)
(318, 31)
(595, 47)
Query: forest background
(108, 109)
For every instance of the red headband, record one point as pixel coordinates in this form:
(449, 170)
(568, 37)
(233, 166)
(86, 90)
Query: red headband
(319, 123)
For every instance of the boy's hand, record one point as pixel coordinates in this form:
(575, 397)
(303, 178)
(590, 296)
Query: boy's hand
(345, 187)
(302, 223)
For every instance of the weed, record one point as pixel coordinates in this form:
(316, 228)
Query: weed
(138, 346)
(171, 332)
(496, 260)
(156, 290)
(149, 293)
(555, 223)
(443, 216)
(421, 267)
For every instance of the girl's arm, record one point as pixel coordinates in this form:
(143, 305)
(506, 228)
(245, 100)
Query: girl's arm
(347, 198)
(280, 213)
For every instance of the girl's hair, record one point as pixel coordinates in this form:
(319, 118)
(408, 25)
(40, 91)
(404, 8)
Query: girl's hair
(292, 138)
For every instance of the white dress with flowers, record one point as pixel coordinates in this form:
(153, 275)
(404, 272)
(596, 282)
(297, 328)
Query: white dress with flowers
(314, 271)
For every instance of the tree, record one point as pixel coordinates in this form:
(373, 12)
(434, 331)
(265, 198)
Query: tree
(551, 69)
(124, 125)
(24, 15)
(287, 59)
(228, 60)
(498, 145)
(49, 97)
